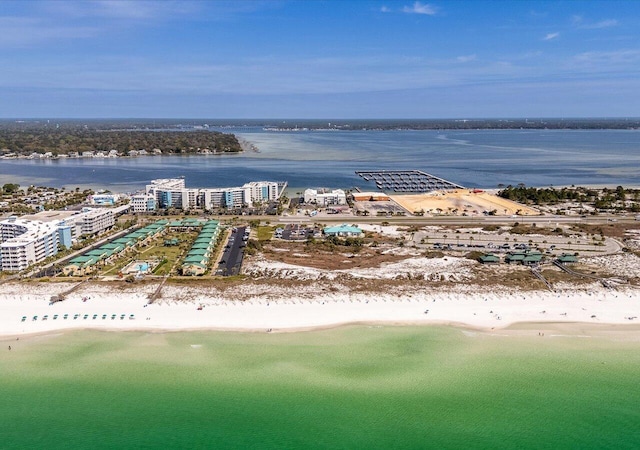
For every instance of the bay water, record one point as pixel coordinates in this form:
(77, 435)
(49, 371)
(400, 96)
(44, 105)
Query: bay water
(476, 158)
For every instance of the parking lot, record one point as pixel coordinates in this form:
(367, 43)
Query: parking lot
(296, 232)
(233, 254)
(493, 242)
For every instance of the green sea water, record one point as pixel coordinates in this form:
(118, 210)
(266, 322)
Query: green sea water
(353, 388)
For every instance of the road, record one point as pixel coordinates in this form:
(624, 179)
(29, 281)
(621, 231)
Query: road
(458, 220)
(233, 254)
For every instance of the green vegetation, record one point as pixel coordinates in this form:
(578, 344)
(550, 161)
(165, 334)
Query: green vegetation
(74, 137)
(333, 242)
(265, 233)
(10, 188)
(618, 199)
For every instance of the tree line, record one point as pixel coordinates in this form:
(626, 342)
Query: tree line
(606, 198)
(64, 141)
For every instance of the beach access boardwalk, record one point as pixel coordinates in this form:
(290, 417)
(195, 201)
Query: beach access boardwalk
(609, 283)
(407, 181)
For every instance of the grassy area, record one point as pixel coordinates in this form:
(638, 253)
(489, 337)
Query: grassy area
(265, 232)
(156, 251)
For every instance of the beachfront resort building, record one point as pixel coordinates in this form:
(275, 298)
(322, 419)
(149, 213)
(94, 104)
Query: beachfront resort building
(26, 242)
(325, 197)
(172, 193)
(30, 239)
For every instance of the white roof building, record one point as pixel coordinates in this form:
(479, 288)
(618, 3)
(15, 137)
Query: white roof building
(325, 197)
(26, 242)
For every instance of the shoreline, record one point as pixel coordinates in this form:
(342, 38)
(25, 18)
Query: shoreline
(516, 329)
(277, 312)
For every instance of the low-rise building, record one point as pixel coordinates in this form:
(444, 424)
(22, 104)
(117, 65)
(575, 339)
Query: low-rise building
(325, 197)
(343, 230)
(567, 258)
(527, 258)
(103, 199)
(489, 258)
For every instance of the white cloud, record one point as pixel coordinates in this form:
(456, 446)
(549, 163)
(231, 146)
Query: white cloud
(551, 36)
(608, 59)
(466, 58)
(580, 22)
(420, 8)
(19, 32)
(385, 9)
(602, 24)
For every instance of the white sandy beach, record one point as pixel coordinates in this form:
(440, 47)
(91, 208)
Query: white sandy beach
(286, 297)
(475, 309)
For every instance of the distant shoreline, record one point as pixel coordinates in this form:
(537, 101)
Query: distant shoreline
(293, 124)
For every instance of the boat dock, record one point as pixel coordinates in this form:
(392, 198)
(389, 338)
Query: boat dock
(407, 181)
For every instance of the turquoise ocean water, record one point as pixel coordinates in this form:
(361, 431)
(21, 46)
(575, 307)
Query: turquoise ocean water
(352, 387)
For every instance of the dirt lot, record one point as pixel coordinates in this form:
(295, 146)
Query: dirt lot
(461, 202)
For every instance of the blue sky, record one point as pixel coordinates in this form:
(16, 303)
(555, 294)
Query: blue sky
(319, 59)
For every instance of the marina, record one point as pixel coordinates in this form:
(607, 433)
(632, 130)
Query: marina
(407, 181)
